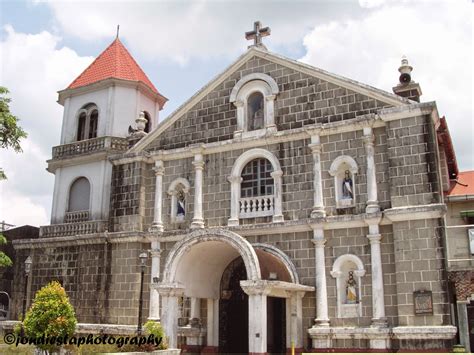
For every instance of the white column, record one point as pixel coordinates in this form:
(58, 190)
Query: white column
(155, 253)
(240, 118)
(372, 202)
(195, 308)
(212, 322)
(277, 208)
(269, 113)
(234, 200)
(257, 322)
(157, 221)
(318, 207)
(169, 314)
(198, 221)
(294, 319)
(378, 303)
(322, 318)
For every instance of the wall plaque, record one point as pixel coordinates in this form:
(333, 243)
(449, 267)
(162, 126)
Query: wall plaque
(423, 301)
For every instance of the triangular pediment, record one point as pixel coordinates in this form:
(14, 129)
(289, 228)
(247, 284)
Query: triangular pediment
(208, 116)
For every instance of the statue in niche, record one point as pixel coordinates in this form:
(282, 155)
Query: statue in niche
(351, 289)
(180, 211)
(258, 118)
(347, 188)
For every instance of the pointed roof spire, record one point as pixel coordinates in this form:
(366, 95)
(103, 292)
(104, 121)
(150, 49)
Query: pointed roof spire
(114, 62)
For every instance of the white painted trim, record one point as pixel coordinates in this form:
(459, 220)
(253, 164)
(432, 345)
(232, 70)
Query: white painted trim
(254, 76)
(243, 247)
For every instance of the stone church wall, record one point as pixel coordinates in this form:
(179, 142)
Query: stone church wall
(101, 280)
(303, 100)
(413, 164)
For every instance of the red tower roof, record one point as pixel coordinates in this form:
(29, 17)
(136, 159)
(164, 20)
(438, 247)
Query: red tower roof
(114, 62)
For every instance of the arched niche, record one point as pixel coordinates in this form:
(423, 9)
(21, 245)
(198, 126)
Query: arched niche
(254, 96)
(178, 190)
(78, 204)
(346, 265)
(344, 169)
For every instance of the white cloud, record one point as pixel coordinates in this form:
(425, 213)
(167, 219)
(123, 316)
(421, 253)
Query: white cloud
(184, 30)
(33, 68)
(437, 41)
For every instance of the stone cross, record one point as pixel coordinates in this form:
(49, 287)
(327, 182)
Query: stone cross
(257, 34)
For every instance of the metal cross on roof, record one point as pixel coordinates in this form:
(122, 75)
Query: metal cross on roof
(257, 34)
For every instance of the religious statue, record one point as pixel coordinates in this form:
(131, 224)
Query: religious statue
(347, 192)
(258, 118)
(351, 289)
(180, 211)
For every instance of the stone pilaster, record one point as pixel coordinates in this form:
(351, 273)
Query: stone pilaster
(318, 207)
(257, 318)
(169, 316)
(198, 221)
(157, 219)
(155, 254)
(372, 202)
(378, 303)
(235, 182)
(277, 212)
(322, 318)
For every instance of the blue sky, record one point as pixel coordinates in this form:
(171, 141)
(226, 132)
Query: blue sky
(181, 45)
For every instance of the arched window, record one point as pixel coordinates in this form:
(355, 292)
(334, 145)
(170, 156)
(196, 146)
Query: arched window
(255, 116)
(256, 187)
(87, 123)
(148, 123)
(257, 179)
(79, 201)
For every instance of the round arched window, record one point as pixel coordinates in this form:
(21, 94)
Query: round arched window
(257, 179)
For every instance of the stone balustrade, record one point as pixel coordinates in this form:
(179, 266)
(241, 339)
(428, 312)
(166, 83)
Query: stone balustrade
(89, 146)
(77, 216)
(259, 206)
(68, 229)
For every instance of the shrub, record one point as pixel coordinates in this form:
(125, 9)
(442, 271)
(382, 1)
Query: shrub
(155, 328)
(50, 315)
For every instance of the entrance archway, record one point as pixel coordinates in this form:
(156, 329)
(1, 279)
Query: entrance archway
(207, 263)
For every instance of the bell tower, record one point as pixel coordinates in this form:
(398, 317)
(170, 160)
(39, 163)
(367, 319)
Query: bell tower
(100, 106)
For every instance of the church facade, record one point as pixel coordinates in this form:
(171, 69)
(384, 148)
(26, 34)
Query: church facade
(281, 205)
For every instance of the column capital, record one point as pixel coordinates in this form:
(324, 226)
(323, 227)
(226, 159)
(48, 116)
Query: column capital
(374, 238)
(238, 103)
(170, 290)
(198, 162)
(159, 169)
(319, 242)
(155, 253)
(315, 148)
(270, 97)
(368, 140)
(251, 287)
(276, 174)
(235, 179)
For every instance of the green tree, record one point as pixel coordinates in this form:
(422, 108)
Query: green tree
(50, 315)
(4, 259)
(10, 132)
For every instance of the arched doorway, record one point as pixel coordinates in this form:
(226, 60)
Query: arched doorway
(233, 309)
(252, 293)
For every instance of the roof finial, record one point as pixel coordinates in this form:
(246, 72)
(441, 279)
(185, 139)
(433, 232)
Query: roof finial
(257, 34)
(118, 30)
